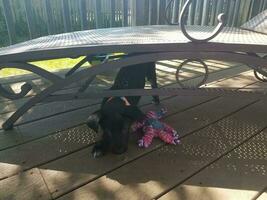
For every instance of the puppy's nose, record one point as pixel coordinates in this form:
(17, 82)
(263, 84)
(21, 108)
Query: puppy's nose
(119, 150)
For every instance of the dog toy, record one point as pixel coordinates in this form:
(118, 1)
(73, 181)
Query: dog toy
(152, 127)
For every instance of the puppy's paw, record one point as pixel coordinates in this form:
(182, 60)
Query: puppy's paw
(98, 151)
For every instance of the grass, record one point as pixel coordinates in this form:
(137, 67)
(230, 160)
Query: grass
(49, 65)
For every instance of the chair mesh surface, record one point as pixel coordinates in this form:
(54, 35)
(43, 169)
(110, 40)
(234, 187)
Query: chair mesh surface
(159, 34)
(258, 23)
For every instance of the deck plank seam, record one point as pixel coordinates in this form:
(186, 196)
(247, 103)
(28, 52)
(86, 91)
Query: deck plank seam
(152, 150)
(260, 193)
(188, 134)
(45, 183)
(210, 163)
(82, 123)
(86, 146)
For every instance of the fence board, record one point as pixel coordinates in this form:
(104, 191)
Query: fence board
(48, 11)
(66, 15)
(98, 18)
(191, 13)
(198, 12)
(205, 13)
(29, 18)
(83, 14)
(9, 20)
(112, 10)
(152, 12)
(175, 14)
(125, 13)
(236, 10)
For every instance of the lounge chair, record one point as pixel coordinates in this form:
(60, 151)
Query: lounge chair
(141, 44)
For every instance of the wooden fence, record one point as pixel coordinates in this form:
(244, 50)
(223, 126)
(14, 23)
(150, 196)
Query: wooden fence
(22, 20)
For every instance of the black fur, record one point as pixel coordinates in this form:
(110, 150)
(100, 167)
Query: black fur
(115, 116)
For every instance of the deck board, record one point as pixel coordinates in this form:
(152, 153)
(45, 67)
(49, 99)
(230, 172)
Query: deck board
(263, 196)
(30, 151)
(169, 165)
(41, 114)
(50, 177)
(238, 175)
(33, 187)
(58, 146)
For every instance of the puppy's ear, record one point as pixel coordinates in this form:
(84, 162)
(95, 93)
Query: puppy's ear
(93, 121)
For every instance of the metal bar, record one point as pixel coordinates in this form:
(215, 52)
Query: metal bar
(253, 62)
(159, 91)
(129, 48)
(183, 20)
(76, 67)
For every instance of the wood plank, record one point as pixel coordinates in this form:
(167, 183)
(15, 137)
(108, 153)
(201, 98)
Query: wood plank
(262, 196)
(112, 11)
(9, 21)
(162, 6)
(56, 141)
(50, 22)
(28, 185)
(83, 15)
(66, 15)
(198, 12)
(35, 116)
(98, 16)
(181, 120)
(189, 122)
(205, 13)
(176, 162)
(29, 18)
(138, 12)
(152, 19)
(175, 12)
(125, 13)
(29, 155)
(185, 101)
(44, 127)
(238, 175)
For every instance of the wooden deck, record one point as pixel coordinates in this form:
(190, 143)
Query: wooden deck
(222, 155)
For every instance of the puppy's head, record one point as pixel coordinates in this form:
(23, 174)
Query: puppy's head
(93, 121)
(116, 130)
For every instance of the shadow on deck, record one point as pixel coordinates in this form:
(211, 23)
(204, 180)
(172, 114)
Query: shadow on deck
(222, 155)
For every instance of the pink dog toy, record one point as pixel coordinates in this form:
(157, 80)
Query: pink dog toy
(152, 128)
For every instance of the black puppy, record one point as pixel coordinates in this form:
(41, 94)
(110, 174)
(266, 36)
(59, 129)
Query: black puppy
(117, 113)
